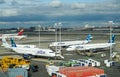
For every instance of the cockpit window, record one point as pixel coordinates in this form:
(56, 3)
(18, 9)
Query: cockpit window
(69, 47)
(51, 52)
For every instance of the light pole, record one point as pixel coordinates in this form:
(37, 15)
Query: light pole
(39, 26)
(55, 25)
(110, 24)
(60, 24)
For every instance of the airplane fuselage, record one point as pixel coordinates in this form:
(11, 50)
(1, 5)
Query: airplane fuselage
(89, 46)
(34, 51)
(68, 43)
(7, 36)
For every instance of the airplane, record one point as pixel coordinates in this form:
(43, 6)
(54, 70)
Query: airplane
(68, 43)
(35, 51)
(92, 46)
(6, 45)
(19, 35)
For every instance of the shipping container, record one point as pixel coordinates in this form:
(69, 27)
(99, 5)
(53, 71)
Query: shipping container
(17, 72)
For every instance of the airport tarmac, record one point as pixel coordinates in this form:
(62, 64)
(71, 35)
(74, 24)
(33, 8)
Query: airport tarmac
(45, 40)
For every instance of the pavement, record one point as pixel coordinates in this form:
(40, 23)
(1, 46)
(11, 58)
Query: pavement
(41, 61)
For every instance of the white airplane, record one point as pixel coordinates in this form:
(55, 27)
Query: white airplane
(19, 35)
(92, 46)
(34, 51)
(68, 43)
(6, 45)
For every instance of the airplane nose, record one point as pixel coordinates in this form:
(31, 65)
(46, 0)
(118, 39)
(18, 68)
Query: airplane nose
(69, 49)
(50, 45)
(52, 54)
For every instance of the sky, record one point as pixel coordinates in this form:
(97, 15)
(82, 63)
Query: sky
(71, 13)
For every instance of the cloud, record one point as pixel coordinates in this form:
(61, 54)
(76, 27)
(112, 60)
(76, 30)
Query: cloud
(107, 7)
(54, 11)
(14, 2)
(2, 1)
(8, 12)
(55, 3)
(78, 5)
(37, 7)
(22, 3)
(116, 1)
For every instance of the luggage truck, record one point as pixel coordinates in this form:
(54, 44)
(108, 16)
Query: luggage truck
(78, 71)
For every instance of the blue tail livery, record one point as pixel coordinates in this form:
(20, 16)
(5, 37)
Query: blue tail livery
(112, 40)
(13, 44)
(89, 37)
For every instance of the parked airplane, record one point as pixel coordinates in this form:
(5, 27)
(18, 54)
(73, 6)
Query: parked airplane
(35, 51)
(6, 45)
(19, 35)
(68, 43)
(92, 46)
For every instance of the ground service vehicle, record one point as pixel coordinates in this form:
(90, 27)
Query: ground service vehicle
(78, 72)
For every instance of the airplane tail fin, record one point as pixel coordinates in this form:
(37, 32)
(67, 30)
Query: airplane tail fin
(89, 37)
(112, 39)
(20, 32)
(13, 44)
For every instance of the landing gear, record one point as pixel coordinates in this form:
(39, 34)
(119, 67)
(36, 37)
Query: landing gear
(27, 56)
